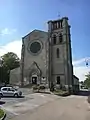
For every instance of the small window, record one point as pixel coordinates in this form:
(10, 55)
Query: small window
(58, 79)
(61, 23)
(54, 39)
(10, 89)
(55, 25)
(60, 38)
(4, 89)
(57, 52)
(52, 26)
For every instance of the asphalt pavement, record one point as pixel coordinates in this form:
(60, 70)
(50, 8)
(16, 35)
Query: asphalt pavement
(30, 101)
(10, 101)
(49, 107)
(69, 108)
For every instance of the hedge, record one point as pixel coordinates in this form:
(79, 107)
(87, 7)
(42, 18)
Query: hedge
(1, 113)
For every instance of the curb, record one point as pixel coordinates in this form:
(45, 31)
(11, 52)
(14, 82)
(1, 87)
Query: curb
(62, 95)
(41, 92)
(4, 116)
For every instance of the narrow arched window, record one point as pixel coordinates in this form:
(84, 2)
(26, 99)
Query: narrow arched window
(54, 39)
(57, 52)
(55, 25)
(59, 24)
(60, 38)
(58, 80)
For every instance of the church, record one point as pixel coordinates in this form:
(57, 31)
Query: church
(46, 57)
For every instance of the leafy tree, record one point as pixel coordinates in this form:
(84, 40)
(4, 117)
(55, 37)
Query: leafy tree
(82, 82)
(9, 61)
(87, 81)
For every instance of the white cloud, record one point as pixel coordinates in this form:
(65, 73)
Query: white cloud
(77, 62)
(79, 70)
(14, 46)
(7, 31)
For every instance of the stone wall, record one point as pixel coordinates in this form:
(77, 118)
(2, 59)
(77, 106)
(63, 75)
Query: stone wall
(41, 58)
(15, 76)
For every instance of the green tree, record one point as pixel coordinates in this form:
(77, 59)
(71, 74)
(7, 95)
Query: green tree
(82, 82)
(87, 81)
(10, 61)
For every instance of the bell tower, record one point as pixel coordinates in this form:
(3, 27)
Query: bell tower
(60, 55)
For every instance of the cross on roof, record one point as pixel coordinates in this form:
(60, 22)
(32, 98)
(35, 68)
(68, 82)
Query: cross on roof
(59, 15)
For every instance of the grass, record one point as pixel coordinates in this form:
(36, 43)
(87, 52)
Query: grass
(1, 113)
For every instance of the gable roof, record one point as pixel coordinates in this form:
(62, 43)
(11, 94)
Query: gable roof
(36, 30)
(75, 77)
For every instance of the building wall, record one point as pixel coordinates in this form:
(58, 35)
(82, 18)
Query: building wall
(48, 63)
(58, 63)
(76, 84)
(61, 66)
(76, 80)
(15, 76)
(40, 59)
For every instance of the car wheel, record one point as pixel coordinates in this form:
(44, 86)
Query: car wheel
(15, 95)
(1, 95)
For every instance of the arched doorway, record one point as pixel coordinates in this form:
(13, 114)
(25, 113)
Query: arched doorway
(34, 74)
(34, 79)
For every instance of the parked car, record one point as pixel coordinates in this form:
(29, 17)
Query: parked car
(10, 91)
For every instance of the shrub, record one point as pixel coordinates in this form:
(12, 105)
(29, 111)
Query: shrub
(61, 92)
(1, 113)
(36, 87)
(63, 88)
(42, 87)
(66, 93)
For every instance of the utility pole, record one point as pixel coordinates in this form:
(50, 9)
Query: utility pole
(87, 61)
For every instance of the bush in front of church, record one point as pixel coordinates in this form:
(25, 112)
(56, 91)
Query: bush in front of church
(42, 87)
(35, 87)
(38, 88)
(61, 92)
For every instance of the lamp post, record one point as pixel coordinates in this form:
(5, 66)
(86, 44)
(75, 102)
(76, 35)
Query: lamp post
(87, 61)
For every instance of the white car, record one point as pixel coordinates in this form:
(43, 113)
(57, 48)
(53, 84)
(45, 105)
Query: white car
(10, 91)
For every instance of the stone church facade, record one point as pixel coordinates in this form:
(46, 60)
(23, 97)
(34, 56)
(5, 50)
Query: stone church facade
(46, 56)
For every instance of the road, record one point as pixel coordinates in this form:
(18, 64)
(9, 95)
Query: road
(12, 101)
(46, 106)
(18, 106)
(70, 108)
